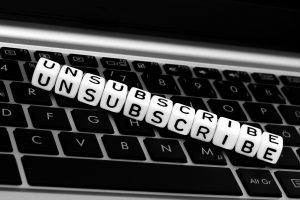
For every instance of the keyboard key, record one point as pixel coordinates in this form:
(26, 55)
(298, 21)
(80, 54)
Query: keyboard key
(82, 60)
(104, 174)
(29, 69)
(55, 56)
(165, 150)
(287, 160)
(128, 78)
(197, 87)
(166, 133)
(5, 145)
(115, 63)
(228, 109)
(290, 181)
(26, 93)
(49, 118)
(157, 83)
(265, 78)
(241, 160)
(177, 70)
(291, 114)
(292, 94)
(12, 115)
(290, 80)
(80, 144)
(121, 147)
(128, 126)
(89, 70)
(232, 90)
(92, 121)
(290, 134)
(236, 76)
(259, 182)
(194, 102)
(266, 93)
(10, 70)
(3, 93)
(143, 66)
(35, 141)
(15, 54)
(209, 73)
(71, 103)
(203, 153)
(9, 173)
(260, 112)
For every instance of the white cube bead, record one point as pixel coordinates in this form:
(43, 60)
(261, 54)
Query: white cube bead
(114, 96)
(45, 74)
(181, 119)
(137, 103)
(270, 147)
(159, 111)
(227, 133)
(204, 125)
(91, 89)
(68, 81)
(249, 140)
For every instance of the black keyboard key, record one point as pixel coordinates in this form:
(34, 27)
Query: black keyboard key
(203, 153)
(166, 133)
(9, 173)
(15, 54)
(287, 160)
(71, 103)
(292, 94)
(177, 70)
(128, 78)
(92, 121)
(157, 83)
(80, 144)
(265, 78)
(29, 69)
(10, 70)
(291, 114)
(266, 93)
(290, 80)
(26, 93)
(232, 90)
(55, 56)
(117, 175)
(82, 60)
(35, 141)
(229, 109)
(208, 73)
(5, 145)
(115, 63)
(89, 70)
(143, 66)
(121, 147)
(165, 150)
(232, 75)
(194, 102)
(12, 115)
(241, 160)
(197, 87)
(49, 118)
(260, 112)
(3, 93)
(128, 126)
(290, 181)
(259, 183)
(290, 134)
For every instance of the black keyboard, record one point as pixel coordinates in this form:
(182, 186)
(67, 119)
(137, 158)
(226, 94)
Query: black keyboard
(60, 143)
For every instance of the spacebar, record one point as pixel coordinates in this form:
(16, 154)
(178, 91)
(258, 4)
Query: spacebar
(133, 176)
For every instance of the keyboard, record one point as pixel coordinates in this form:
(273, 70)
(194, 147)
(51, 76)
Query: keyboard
(52, 143)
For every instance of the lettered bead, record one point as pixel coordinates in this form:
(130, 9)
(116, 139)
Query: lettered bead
(114, 96)
(227, 133)
(181, 119)
(68, 81)
(137, 103)
(45, 74)
(159, 111)
(249, 140)
(270, 147)
(204, 125)
(91, 89)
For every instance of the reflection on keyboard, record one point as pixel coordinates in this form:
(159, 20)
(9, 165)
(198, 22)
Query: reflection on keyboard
(86, 147)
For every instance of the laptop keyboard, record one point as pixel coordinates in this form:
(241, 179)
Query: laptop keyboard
(61, 143)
